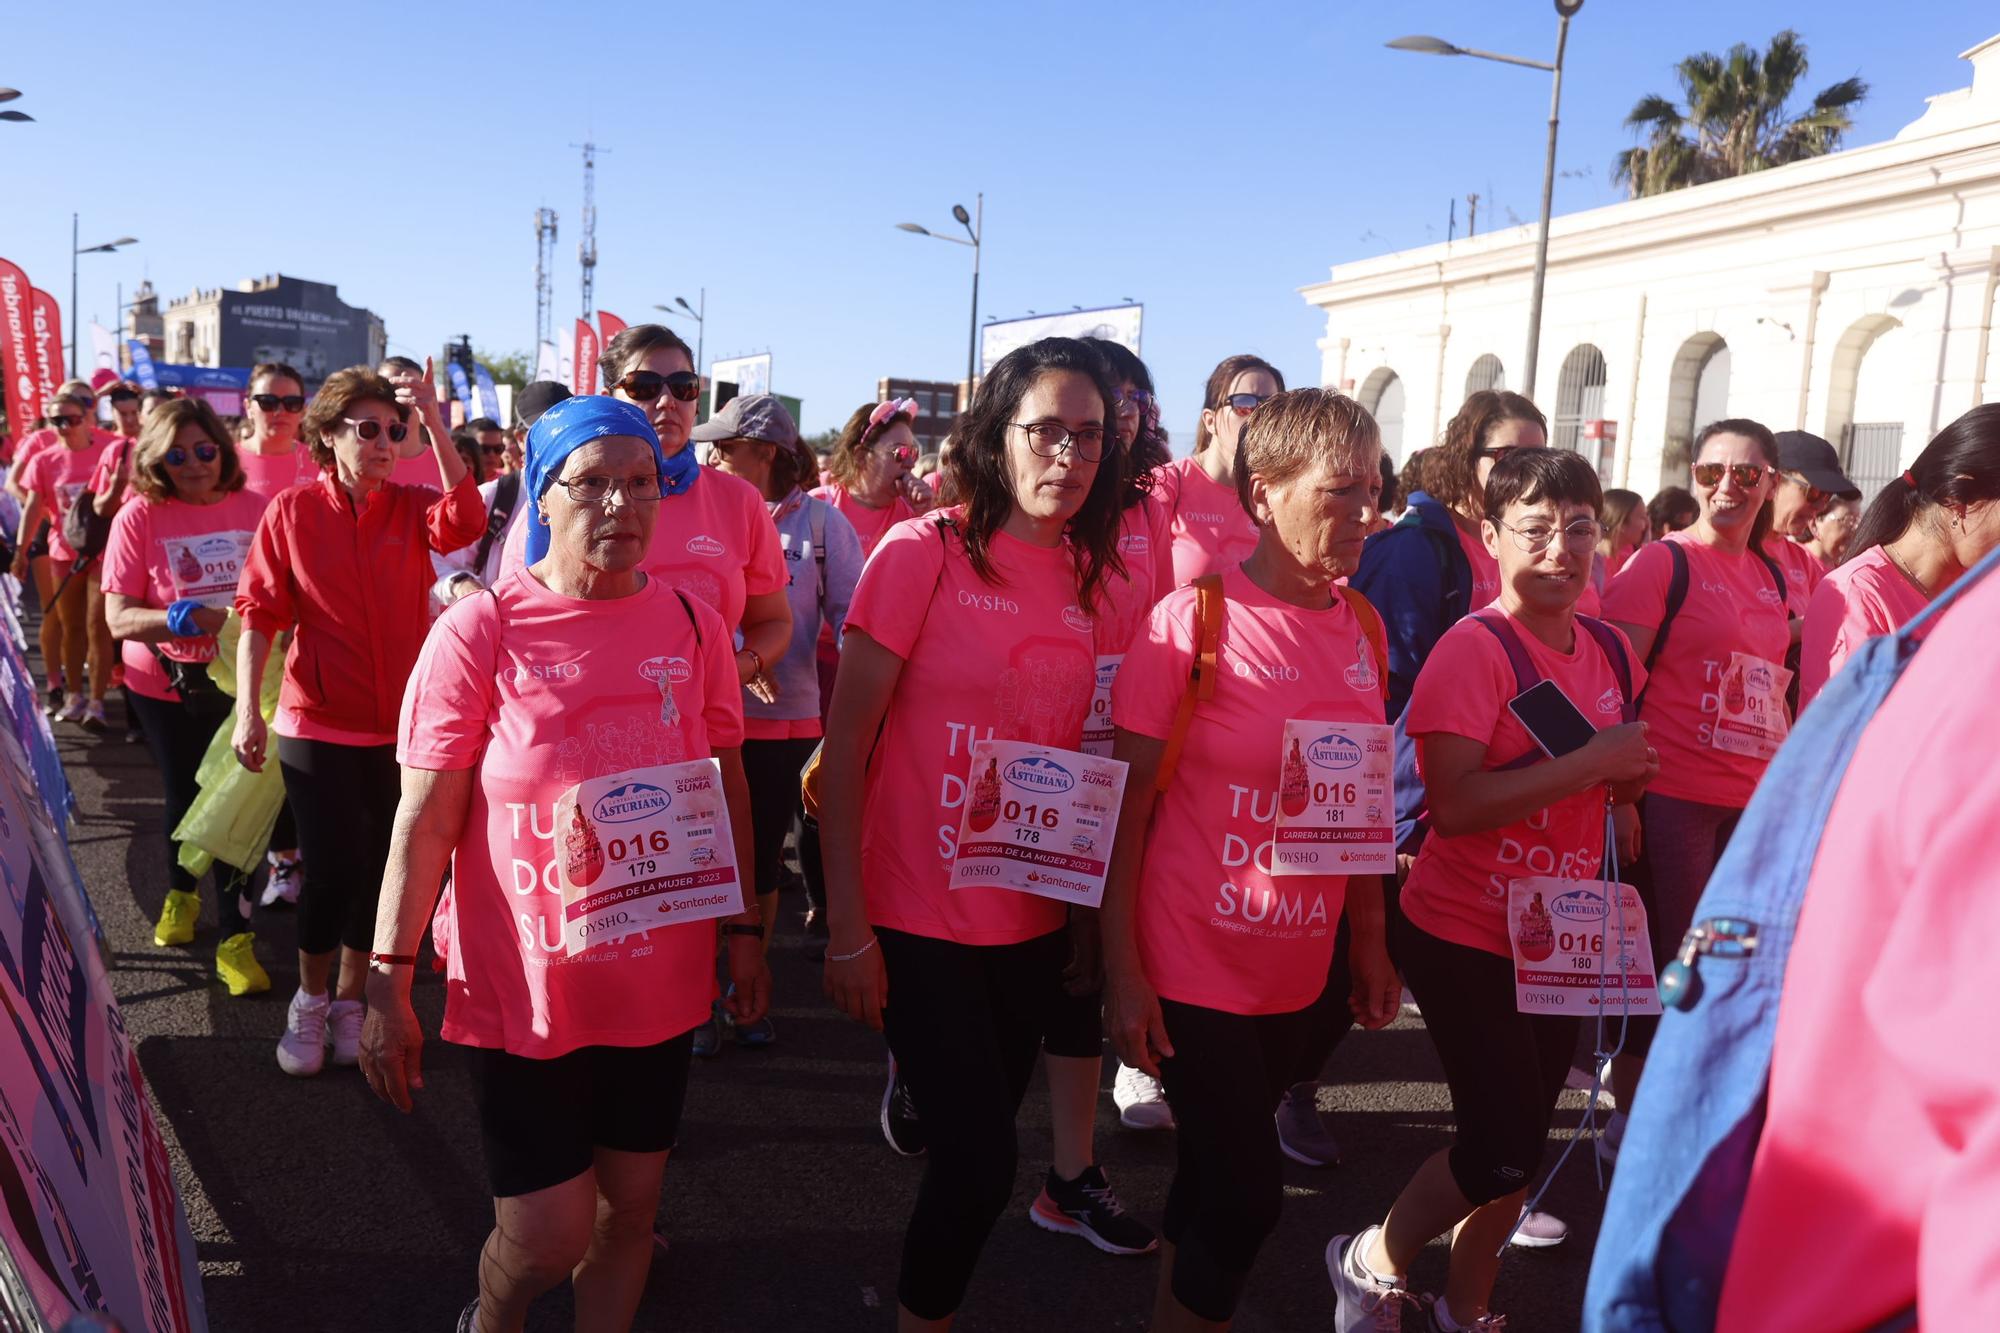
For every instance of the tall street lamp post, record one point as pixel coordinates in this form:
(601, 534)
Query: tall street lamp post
(975, 226)
(700, 318)
(109, 247)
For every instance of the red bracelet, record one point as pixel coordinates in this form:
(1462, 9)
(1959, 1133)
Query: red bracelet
(402, 959)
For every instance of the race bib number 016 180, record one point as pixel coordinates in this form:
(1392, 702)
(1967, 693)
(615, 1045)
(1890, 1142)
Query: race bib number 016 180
(1336, 800)
(1575, 947)
(644, 848)
(1038, 820)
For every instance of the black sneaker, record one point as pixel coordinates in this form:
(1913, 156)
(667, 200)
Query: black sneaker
(1086, 1207)
(900, 1125)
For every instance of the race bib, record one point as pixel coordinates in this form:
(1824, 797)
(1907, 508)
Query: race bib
(1567, 936)
(1750, 714)
(205, 569)
(644, 848)
(1336, 800)
(1038, 820)
(1097, 729)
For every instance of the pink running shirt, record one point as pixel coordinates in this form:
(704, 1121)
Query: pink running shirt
(1206, 527)
(870, 524)
(1731, 607)
(1858, 601)
(539, 692)
(163, 550)
(59, 474)
(1485, 569)
(1013, 659)
(1125, 604)
(267, 474)
(1457, 890)
(1802, 568)
(1215, 928)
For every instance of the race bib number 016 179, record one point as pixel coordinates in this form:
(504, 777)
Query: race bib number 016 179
(1038, 820)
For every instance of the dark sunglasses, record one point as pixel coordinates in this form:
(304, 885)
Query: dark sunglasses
(1246, 402)
(178, 457)
(493, 450)
(1814, 495)
(1747, 475)
(643, 386)
(368, 430)
(65, 421)
(271, 402)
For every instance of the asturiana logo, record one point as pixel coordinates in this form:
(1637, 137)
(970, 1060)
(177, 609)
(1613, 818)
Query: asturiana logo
(704, 544)
(1610, 701)
(634, 800)
(674, 669)
(1074, 617)
(1334, 753)
(1043, 777)
(1579, 905)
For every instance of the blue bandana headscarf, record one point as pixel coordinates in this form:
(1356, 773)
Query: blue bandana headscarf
(575, 422)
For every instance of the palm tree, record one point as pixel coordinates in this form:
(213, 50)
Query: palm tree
(1735, 120)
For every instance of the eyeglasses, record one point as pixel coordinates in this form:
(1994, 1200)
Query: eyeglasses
(271, 402)
(1051, 438)
(1498, 452)
(1136, 399)
(1246, 403)
(178, 457)
(643, 386)
(65, 421)
(596, 490)
(1746, 475)
(1534, 538)
(1814, 495)
(368, 430)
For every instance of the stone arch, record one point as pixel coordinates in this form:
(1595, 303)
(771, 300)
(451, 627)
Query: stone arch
(1865, 395)
(1697, 393)
(1486, 373)
(1382, 394)
(1579, 395)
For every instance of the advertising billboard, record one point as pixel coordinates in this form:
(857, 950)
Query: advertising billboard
(750, 375)
(1114, 323)
(304, 324)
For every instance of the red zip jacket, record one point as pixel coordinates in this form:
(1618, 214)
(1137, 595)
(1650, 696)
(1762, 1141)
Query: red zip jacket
(355, 583)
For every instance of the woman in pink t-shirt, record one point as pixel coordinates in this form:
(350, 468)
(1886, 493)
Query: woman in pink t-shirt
(170, 572)
(1216, 952)
(1716, 696)
(73, 624)
(1207, 530)
(976, 624)
(1499, 812)
(547, 732)
(1921, 534)
(274, 458)
(873, 486)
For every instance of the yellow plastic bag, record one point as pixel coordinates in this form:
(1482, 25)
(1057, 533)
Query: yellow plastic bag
(232, 818)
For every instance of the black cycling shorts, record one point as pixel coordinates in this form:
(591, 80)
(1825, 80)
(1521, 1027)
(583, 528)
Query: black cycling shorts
(540, 1119)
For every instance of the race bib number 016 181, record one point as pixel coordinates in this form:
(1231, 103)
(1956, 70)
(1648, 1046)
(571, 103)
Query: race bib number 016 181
(644, 848)
(1336, 800)
(1038, 820)
(1575, 947)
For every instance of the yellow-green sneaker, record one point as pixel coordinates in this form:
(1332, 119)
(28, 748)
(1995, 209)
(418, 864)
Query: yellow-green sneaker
(177, 918)
(236, 963)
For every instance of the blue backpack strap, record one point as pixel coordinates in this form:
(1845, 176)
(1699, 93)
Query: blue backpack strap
(1621, 662)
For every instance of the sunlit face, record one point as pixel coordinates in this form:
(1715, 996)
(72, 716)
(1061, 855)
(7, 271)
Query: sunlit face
(1551, 580)
(193, 477)
(1834, 529)
(1728, 505)
(276, 427)
(1638, 527)
(672, 419)
(366, 460)
(1977, 533)
(890, 455)
(1054, 488)
(1225, 423)
(71, 421)
(125, 408)
(610, 536)
(1321, 516)
(1501, 437)
(1793, 506)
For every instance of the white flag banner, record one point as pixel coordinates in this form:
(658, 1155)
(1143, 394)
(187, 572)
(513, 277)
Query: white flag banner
(103, 347)
(548, 364)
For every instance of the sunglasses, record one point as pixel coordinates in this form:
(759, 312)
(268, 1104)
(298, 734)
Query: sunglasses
(1814, 495)
(368, 430)
(1137, 398)
(271, 402)
(1746, 475)
(65, 422)
(1246, 403)
(644, 386)
(493, 450)
(178, 457)
(902, 453)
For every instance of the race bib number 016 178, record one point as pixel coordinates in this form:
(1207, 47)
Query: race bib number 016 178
(1038, 820)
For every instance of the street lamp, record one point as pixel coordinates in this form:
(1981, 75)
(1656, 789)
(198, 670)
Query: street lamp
(700, 318)
(1434, 46)
(973, 229)
(109, 247)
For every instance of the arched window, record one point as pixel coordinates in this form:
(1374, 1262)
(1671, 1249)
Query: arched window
(1870, 386)
(1579, 396)
(1486, 373)
(1382, 394)
(1697, 393)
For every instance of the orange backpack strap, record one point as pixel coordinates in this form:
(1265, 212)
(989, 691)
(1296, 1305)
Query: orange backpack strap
(1378, 635)
(1201, 675)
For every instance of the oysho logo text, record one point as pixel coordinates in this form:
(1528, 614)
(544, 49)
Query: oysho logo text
(987, 601)
(1259, 671)
(535, 671)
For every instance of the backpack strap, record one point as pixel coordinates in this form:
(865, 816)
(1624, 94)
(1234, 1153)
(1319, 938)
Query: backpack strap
(1677, 595)
(1526, 676)
(1621, 661)
(506, 494)
(816, 515)
(1777, 579)
(1201, 674)
(1373, 628)
(688, 607)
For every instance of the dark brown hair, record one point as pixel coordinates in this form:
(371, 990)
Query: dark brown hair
(1451, 472)
(630, 346)
(1960, 466)
(1767, 445)
(1531, 476)
(855, 437)
(150, 477)
(335, 399)
(1673, 502)
(275, 369)
(1220, 379)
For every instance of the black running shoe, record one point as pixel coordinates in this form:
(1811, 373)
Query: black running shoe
(900, 1125)
(1087, 1207)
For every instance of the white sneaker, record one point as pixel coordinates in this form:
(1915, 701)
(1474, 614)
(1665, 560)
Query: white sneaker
(302, 1050)
(73, 709)
(343, 1027)
(1141, 1101)
(282, 885)
(1363, 1302)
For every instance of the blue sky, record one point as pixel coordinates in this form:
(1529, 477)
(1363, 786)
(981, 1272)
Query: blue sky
(1205, 160)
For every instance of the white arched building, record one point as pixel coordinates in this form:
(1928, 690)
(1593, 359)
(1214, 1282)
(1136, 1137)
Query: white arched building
(1851, 295)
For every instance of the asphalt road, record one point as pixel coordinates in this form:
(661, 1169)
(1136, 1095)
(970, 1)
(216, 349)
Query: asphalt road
(318, 1209)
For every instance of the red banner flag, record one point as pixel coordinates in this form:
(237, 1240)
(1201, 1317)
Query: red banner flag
(609, 325)
(17, 356)
(45, 327)
(585, 367)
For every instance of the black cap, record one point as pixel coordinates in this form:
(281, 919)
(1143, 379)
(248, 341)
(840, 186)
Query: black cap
(536, 399)
(1814, 459)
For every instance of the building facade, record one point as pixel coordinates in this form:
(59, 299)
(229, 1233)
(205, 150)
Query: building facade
(937, 403)
(304, 324)
(1851, 295)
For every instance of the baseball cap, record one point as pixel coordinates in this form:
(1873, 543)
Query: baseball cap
(1814, 459)
(536, 399)
(760, 416)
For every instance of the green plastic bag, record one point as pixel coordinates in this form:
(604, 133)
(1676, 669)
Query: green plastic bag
(232, 818)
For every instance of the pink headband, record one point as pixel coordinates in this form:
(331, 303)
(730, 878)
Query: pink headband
(894, 407)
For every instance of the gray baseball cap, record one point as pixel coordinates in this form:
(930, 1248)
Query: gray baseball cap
(760, 416)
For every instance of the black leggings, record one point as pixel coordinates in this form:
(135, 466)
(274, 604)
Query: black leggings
(772, 769)
(1505, 1068)
(178, 735)
(1224, 1081)
(965, 1022)
(344, 799)
(1328, 1019)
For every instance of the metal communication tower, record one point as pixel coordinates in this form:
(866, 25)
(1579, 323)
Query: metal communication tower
(586, 249)
(545, 254)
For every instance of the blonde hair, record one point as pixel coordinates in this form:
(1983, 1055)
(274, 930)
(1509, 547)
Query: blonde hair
(1294, 430)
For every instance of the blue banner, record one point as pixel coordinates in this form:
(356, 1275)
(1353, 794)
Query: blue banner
(489, 397)
(142, 364)
(460, 385)
(172, 376)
